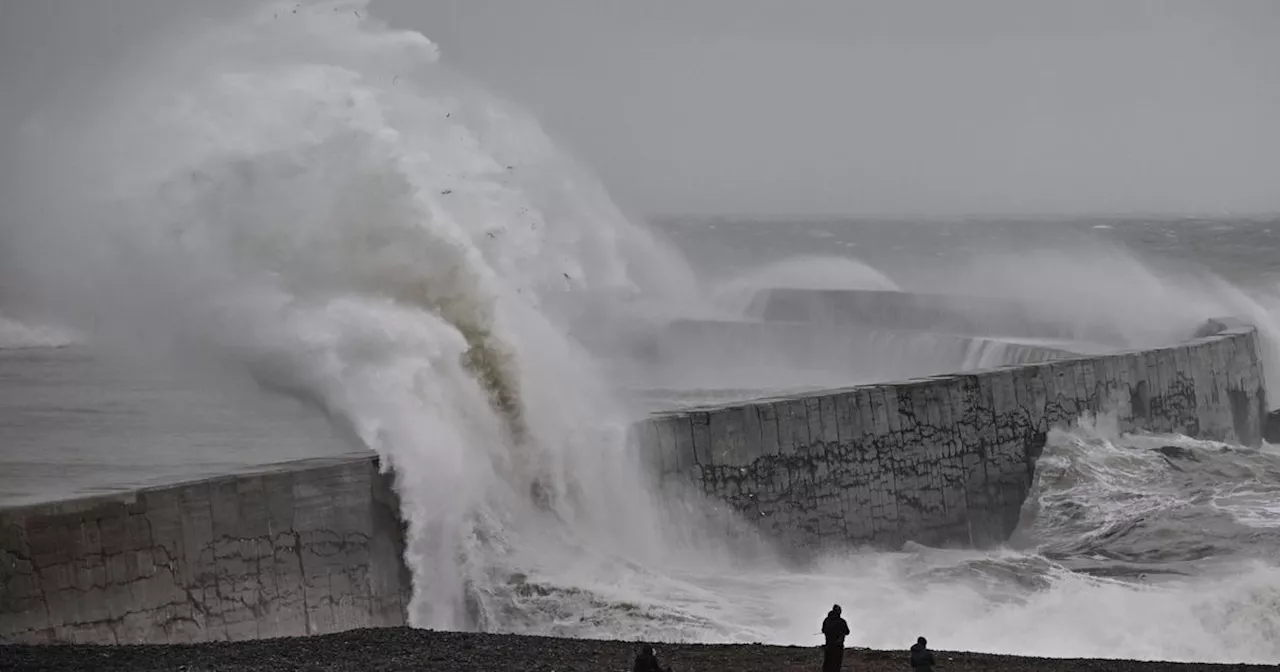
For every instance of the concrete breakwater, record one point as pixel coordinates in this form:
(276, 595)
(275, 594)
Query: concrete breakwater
(307, 547)
(946, 459)
(316, 546)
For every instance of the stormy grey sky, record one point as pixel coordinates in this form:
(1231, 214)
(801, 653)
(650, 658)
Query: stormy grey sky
(835, 106)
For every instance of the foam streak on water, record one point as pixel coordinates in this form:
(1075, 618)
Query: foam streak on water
(312, 200)
(16, 335)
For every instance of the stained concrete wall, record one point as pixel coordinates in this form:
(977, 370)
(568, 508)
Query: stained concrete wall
(316, 546)
(946, 459)
(299, 548)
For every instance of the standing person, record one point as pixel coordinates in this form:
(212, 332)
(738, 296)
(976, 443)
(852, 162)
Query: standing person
(835, 630)
(647, 661)
(921, 656)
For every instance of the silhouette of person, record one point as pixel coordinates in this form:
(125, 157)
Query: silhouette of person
(835, 630)
(647, 661)
(921, 656)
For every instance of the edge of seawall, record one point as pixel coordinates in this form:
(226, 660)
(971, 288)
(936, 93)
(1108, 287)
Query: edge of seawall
(316, 546)
(947, 459)
(294, 548)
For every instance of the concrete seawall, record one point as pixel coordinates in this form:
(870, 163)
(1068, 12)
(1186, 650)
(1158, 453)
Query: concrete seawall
(946, 459)
(316, 546)
(299, 548)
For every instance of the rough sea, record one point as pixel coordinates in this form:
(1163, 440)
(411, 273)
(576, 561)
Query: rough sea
(306, 237)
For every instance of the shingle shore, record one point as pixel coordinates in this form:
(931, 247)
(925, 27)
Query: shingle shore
(405, 649)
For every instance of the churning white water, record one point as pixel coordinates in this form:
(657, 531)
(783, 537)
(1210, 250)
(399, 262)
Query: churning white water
(310, 198)
(306, 195)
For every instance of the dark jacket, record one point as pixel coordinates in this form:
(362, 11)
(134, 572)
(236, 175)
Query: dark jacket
(921, 657)
(835, 629)
(647, 662)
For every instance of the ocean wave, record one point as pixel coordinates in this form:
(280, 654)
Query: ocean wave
(312, 198)
(1144, 498)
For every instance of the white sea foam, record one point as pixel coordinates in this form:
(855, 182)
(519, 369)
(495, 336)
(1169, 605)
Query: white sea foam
(312, 197)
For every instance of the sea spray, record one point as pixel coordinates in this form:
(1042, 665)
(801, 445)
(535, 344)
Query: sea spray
(310, 198)
(1103, 295)
(309, 195)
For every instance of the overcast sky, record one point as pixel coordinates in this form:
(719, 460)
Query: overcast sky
(837, 106)
(902, 107)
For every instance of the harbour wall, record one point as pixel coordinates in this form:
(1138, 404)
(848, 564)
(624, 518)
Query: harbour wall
(316, 546)
(307, 547)
(946, 460)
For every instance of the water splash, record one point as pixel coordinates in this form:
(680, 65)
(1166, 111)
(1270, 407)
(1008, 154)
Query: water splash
(312, 198)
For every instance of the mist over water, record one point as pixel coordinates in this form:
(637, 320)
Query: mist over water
(16, 335)
(308, 197)
(311, 200)
(1100, 290)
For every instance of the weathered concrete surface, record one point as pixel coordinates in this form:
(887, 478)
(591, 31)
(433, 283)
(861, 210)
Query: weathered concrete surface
(947, 459)
(298, 548)
(316, 546)
(1271, 427)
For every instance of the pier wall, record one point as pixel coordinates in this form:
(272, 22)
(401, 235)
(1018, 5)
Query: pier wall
(949, 459)
(316, 546)
(306, 547)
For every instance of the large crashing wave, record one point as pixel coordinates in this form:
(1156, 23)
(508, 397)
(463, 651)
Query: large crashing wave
(311, 197)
